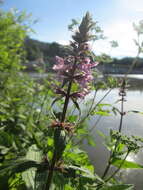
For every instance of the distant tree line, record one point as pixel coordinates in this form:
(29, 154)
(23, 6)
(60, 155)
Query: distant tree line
(126, 61)
(37, 51)
(121, 66)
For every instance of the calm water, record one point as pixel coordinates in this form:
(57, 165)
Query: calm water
(132, 125)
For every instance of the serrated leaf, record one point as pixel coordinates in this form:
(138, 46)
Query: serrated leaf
(29, 176)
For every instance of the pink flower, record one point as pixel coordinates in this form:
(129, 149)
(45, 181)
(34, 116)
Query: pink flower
(58, 67)
(87, 60)
(60, 64)
(95, 64)
(82, 75)
(62, 67)
(59, 60)
(79, 94)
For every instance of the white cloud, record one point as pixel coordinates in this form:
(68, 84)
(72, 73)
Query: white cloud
(123, 32)
(63, 42)
(134, 5)
(139, 10)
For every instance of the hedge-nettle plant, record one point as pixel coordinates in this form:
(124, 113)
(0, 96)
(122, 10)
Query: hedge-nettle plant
(72, 70)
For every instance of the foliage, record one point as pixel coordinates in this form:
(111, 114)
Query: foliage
(39, 144)
(12, 35)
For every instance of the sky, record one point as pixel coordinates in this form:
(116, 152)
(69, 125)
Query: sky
(115, 17)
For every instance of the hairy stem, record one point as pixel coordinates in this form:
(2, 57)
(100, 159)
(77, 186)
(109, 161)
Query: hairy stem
(67, 98)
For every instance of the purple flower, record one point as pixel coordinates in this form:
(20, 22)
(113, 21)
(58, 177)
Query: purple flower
(82, 73)
(60, 66)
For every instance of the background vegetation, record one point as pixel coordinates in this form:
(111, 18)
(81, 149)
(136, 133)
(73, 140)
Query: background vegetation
(39, 132)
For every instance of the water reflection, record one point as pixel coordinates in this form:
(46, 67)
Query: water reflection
(132, 125)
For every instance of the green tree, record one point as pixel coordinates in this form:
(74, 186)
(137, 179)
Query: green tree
(12, 34)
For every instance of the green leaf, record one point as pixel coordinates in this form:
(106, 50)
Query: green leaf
(82, 131)
(29, 176)
(55, 100)
(72, 118)
(40, 178)
(126, 164)
(87, 173)
(17, 166)
(101, 134)
(5, 139)
(91, 141)
(119, 187)
(103, 113)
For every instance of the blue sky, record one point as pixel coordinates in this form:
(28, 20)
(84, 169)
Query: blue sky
(114, 16)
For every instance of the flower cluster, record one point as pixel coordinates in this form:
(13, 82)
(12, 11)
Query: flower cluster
(84, 75)
(82, 72)
(63, 66)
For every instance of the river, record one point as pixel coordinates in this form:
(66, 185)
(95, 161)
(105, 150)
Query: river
(132, 125)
